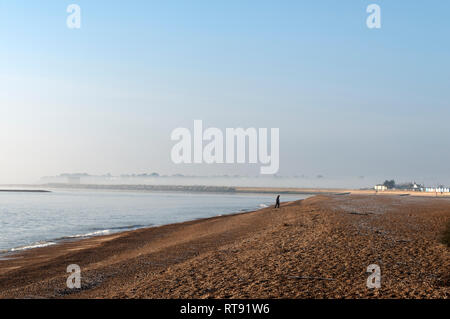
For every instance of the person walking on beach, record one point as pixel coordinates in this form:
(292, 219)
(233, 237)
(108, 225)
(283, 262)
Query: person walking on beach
(277, 203)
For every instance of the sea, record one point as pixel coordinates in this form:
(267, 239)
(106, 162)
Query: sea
(32, 220)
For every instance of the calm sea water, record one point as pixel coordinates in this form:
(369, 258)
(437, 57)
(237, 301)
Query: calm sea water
(29, 220)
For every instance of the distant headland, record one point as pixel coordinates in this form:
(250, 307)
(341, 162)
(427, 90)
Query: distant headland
(25, 190)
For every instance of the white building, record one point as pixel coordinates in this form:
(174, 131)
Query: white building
(437, 189)
(380, 188)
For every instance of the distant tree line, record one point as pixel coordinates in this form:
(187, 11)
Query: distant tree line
(389, 184)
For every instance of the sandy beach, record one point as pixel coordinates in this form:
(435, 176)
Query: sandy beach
(316, 248)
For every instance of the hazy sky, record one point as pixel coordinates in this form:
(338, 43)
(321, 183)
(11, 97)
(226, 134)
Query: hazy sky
(349, 101)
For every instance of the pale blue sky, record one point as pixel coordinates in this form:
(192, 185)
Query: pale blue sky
(348, 100)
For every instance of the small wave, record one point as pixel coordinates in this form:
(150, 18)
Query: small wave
(102, 231)
(35, 245)
(122, 227)
(263, 205)
(98, 232)
(95, 233)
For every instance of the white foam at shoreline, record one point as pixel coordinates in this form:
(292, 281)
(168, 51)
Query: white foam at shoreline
(36, 245)
(95, 233)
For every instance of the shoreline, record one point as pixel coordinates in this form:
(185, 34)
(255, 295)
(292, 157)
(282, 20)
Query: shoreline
(232, 189)
(9, 253)
(252, 255)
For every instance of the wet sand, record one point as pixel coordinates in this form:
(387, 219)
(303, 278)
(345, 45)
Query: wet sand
(316, 248)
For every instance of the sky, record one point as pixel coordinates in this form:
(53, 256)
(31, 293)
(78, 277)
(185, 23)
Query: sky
(349, 101)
